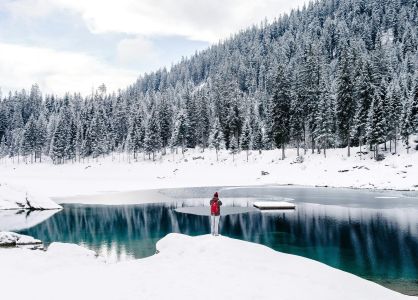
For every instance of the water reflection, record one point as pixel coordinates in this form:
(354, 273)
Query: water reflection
(381, 245)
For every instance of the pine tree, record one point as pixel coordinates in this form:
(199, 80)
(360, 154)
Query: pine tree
(164, 114)
(324, 118)
(41, 137)
(393, 112)
(3, 147)
(4, 122)
(281, 110)
(246, 137)
(376, 122)
(296, 122)
(364, 94)
(179, 137)
(414, 106)
(57, 152)
(203, 120)
(216, 139)
(191, 115)
(345, 101)
(29, 138)
(152, 140)
(136, 134)
(233, 146)
(406, 125)
(257, 141)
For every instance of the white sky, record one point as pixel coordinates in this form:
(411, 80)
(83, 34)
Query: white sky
(75, 45)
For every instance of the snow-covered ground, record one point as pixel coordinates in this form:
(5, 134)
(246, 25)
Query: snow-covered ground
(115, 174)
(203, 267)
(14, 197)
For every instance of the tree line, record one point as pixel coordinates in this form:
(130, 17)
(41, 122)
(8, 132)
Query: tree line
(335, 73)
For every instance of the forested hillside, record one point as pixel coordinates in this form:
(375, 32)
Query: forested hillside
(336, 73)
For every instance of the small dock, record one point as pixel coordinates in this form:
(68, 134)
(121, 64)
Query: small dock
(273, 205)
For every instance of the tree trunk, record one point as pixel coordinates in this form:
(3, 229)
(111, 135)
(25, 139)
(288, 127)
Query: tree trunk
(313, 145)
(182, 148)
(297, 147)
(217, 158)
(348, 146)
(283, 154)
(247, 155)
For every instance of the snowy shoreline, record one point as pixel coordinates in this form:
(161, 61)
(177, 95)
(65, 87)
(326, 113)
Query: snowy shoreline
(114, 174)
(183, 266)
(13, 197)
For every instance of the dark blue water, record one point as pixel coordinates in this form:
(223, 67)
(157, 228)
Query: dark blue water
(379, 244)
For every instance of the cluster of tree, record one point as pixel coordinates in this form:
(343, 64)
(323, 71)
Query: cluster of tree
(335, 73)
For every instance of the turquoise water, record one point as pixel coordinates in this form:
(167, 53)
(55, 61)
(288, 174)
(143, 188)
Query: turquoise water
(367, 234)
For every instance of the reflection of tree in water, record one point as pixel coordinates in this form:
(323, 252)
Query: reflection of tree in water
(362, 241)
(123, 229)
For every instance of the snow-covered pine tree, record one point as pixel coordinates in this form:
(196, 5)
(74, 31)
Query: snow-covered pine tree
(57, 150)
(179, 135)
(280, 110)
(363, 91)
(376, 122)
(191, 114)
(345, 101)
(41, 137)
(296, 122)
(325, 117)
(233, 146)
(166, 125)
(414, 106)
(29, 138)
(393, 112)
(136, 134)
(246, 137)
(4, 123)
(203, 126)
(152, 140)
(216, 139)
(257, 138)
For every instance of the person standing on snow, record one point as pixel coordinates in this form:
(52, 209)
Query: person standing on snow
(215, 214)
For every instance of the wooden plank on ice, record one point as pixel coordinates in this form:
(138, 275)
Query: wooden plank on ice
(272, 205)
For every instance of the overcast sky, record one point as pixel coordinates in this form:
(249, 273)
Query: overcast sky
(75, 45)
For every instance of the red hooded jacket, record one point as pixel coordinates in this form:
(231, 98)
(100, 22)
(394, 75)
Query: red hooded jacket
(215, 205)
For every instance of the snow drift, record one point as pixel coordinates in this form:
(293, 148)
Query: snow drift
(184, 268)
(15, 197)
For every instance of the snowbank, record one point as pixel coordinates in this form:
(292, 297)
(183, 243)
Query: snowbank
(185, 268)
(15, 197)
(14, 239)
(115, 174)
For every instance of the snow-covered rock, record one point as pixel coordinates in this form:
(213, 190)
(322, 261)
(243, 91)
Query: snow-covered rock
(185, 268)
(15, 197)
(14, 239)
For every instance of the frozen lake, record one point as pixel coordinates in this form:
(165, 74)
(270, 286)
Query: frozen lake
(370, 234)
